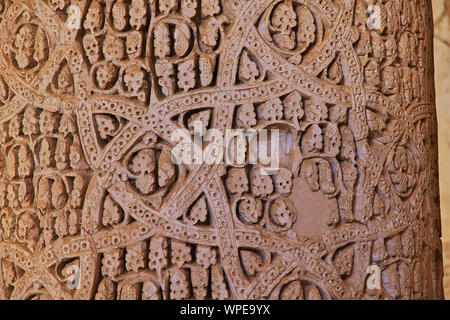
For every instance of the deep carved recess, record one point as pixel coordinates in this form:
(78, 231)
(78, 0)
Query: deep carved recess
(92, 206)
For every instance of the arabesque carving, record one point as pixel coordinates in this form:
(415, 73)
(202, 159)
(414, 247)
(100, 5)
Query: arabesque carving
(93, 206)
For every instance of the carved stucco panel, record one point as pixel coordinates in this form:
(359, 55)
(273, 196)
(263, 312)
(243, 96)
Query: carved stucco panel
(92, 205)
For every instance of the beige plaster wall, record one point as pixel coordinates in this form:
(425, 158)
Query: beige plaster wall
(441, 10)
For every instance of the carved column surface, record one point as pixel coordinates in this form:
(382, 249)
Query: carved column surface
(93, 206)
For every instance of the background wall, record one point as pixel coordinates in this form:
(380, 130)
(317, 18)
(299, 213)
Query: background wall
(441, 10)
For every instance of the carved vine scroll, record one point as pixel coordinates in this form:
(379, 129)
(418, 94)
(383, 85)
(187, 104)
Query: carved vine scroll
(93, 207)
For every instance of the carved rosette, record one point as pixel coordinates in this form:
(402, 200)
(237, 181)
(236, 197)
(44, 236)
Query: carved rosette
(92, 205)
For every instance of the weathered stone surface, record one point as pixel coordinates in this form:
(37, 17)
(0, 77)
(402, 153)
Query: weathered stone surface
(94, 207)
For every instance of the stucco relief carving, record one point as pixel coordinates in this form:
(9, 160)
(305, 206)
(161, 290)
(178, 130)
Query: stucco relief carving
(93, 207)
